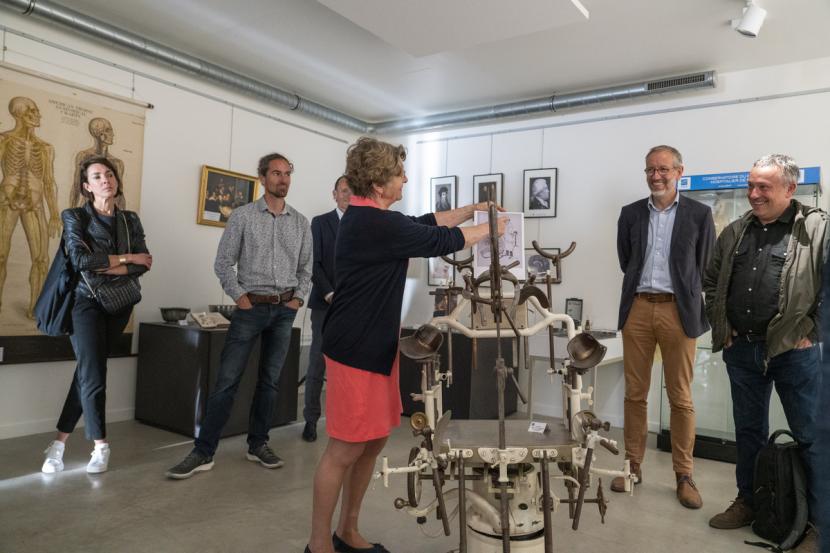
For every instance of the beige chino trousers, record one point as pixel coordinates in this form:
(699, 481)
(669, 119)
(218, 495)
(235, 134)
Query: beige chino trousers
(649, 325)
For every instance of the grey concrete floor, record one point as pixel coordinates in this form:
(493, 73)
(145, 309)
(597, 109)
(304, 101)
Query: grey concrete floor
(242, 507)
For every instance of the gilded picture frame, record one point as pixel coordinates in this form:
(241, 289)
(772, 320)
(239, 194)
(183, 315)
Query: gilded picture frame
(220, 192)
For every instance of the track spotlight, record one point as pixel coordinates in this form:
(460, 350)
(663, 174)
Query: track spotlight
(752, 20)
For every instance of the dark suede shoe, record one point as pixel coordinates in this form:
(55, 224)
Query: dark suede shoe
(737, 515)
(193, 463)
(618, 483)
(687, 493)
(342, 547)
(265, 456)
(310, 432)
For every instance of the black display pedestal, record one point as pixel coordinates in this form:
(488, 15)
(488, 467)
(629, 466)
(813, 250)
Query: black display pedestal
(706, 447)
(474, 393)
(177, 369)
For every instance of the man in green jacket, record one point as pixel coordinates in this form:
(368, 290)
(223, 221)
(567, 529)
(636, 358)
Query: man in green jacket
(762, 291)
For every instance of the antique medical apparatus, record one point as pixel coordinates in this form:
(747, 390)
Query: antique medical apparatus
(508, 504)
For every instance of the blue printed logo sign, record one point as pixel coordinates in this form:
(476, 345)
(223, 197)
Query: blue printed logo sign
(730, 181)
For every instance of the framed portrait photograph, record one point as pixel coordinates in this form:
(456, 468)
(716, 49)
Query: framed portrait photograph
(440, 273)
(484, 184)
(573, 308)
(444, 303)
(511, 244)
(539, 197)
(538, 264)
(220, 192)
(443, 193)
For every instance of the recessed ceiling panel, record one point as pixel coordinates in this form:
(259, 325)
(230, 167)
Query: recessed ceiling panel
(427, 27)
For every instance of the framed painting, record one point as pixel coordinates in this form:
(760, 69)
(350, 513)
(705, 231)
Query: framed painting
(443, 195)
(444, 303)
(539, 198)
(220, 192)
(538, 264)
(573, 308)
(441, 273)
(489, 187)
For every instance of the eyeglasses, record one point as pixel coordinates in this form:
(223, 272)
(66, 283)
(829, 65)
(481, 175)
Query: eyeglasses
(662, 170)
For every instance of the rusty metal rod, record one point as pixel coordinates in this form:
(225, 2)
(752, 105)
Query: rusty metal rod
(585, 474)
(438, 483)
(462, 506)
(547, 506)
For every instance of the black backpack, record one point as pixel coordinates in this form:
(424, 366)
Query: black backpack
(780, 494)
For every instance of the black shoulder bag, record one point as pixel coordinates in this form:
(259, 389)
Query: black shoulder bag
(117, 293)
(53, 309)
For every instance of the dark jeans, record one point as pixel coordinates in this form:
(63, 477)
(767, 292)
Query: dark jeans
(821, 452)
(316, 368)
(797, 378)
(94, 334)
(273, 324)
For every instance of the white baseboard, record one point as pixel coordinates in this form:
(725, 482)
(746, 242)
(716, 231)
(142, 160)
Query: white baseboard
(39, 426)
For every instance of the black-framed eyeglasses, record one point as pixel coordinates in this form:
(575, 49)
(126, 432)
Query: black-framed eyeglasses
(662, 170)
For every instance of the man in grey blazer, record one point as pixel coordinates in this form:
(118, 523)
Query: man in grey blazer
(664, 243)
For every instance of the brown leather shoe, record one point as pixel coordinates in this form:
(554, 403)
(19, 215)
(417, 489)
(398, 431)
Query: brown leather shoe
(687, 493)
(618, 483)
(737, 515)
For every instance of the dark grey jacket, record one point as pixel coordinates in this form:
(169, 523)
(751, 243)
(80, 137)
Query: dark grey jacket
(800, 281)
(693, 237)
(324, 234)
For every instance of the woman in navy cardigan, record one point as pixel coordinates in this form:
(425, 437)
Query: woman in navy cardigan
(362, 328)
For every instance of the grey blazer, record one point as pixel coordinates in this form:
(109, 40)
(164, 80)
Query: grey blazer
(692, 242)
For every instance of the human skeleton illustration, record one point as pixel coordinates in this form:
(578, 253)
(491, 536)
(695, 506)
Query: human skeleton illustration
(28, 180)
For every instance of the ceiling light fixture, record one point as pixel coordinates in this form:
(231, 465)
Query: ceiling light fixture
(752, 20)
(582, 9)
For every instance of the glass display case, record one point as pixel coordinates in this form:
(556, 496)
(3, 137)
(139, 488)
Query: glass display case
(726, 195)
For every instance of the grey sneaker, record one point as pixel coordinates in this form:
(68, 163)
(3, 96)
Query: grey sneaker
(265, 456)
(193, 463)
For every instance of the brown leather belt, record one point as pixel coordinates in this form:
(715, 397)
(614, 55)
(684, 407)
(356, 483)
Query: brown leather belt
(275, 299)
(655, 298)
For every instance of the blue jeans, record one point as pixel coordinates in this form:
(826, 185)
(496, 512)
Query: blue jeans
(273, 324)
(316, 368)
(797, 378)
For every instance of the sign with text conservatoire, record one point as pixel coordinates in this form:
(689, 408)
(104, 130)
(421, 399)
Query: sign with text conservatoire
(727, 181)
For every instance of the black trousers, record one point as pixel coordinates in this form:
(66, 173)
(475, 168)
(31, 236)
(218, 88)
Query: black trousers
(94, 334)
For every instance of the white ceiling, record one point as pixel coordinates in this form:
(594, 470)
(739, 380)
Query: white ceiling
(388, 59)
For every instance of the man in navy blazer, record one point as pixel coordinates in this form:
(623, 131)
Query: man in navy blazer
(324, 234)
(664, 243)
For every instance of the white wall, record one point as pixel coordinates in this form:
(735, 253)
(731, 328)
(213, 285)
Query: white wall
(599, 154)
(192, 124)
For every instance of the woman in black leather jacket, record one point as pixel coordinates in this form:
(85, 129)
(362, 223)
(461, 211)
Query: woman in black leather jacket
(102, 242)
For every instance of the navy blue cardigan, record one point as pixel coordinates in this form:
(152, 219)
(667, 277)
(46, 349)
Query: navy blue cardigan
(372, 253)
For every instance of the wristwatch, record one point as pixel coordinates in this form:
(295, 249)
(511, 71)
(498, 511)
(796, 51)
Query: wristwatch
(122, 260)
(300, 301)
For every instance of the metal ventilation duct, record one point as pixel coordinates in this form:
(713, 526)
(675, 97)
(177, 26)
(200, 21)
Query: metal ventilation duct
(91, 27)
(551, 103)
(95, 28)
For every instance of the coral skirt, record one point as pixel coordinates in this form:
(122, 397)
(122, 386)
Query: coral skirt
(361, 405)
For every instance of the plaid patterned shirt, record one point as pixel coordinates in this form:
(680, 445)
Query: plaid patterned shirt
(264, 253)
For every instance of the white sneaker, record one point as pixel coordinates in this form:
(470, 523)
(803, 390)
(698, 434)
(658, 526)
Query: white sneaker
(100, 459)
(54, 457)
